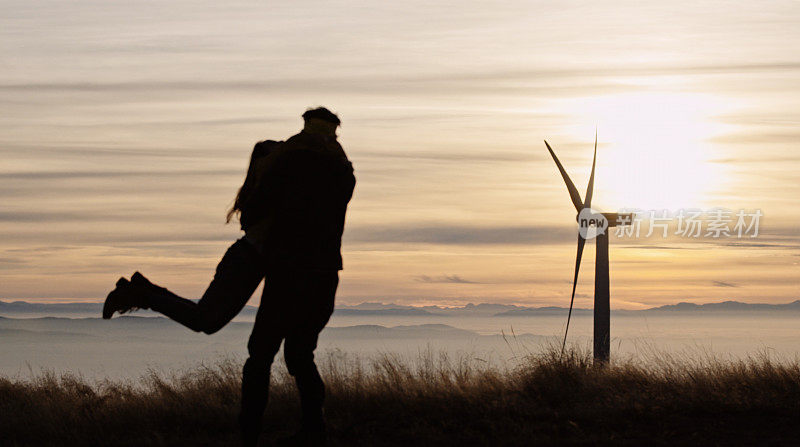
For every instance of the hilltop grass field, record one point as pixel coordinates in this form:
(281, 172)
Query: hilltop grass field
(548, 400)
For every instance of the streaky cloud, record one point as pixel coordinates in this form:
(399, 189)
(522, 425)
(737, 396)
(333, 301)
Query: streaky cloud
(443, 279)
(454, 234)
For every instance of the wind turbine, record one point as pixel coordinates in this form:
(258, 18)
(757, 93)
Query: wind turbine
(601, 222)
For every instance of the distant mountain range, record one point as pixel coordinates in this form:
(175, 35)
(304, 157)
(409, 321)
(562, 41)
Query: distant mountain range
(23, 308)
(140, 328)
(722, 307)
(735, 306)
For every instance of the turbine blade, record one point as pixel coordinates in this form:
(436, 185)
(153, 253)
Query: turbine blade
(581, 243)
(590, 189)
(573, 191)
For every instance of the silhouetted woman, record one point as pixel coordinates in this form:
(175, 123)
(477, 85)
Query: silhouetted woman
(237, 276)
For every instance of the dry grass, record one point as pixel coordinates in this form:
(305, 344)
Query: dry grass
(437, 401)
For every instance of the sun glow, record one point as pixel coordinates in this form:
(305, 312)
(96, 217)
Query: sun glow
(654, 150)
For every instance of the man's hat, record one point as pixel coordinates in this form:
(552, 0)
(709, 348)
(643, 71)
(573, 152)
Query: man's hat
(321, 113)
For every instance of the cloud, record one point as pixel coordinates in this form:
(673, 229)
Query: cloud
(759, 158)
(174, 124)
(381, 85)
(460, 156)
(65, 175)
(443, 279)
(723, 284)
(120, 236)
(759, 137)
(461, 234)
(82, 216)
(657, 247)
(414, 81)
(11, 261)
(543, 82)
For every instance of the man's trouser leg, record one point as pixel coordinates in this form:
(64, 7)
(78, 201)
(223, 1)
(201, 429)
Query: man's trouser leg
(264, 343)
(295, 305)
(299, 355)
(236, 278)
(317, 290)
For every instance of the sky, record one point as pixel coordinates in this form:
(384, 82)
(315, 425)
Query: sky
(126, 127)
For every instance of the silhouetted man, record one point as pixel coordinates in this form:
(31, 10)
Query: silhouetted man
(292, 207)
(306, 184)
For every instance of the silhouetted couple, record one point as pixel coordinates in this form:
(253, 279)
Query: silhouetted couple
(292, 208)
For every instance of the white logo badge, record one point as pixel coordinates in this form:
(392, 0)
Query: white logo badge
(591, 223)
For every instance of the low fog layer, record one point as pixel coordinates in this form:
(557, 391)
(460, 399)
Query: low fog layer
(126, 347)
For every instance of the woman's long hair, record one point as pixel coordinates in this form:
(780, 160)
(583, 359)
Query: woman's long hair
(261, 149)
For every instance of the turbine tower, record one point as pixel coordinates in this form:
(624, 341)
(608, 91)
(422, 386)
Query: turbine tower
(601, 222)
